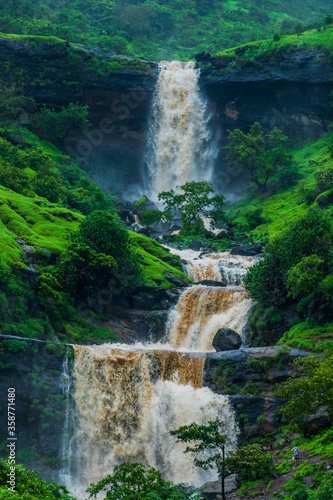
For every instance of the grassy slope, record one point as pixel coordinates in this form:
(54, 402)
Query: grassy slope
(158, 263)
(46, 225)
(287, 205)
(311, 39)
(36, 220)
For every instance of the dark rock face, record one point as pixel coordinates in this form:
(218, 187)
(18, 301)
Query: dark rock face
(34, 369)
(248, 250)
(289, 91)
(248, 376)
(227, 340)
(118, 91)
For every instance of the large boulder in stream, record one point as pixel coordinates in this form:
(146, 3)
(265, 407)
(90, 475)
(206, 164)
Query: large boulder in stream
(227, 340)
(248, 250)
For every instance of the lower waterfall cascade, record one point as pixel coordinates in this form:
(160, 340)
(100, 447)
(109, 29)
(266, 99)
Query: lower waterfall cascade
(128, 397)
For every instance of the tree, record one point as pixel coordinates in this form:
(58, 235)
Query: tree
(100, 256)
(49, 124)
(135, 482)
(249, 461)
(28, 485)
(13, 103)
(305, 276)
(267, 280)
(260, 155)
(193, 201)
(207, 438)
(308, 393)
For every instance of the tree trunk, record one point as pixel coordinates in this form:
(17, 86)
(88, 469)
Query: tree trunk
(223, 475)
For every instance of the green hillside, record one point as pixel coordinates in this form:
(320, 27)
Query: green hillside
(160, 30)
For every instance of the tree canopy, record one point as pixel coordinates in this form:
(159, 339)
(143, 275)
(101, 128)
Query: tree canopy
(193, 200)
(259, 155)
(135, 482)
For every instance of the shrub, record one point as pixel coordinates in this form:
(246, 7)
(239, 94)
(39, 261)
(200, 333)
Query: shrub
(303, 278)
(48, 123)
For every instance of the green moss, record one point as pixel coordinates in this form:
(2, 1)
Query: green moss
(53, 40)
(303, 336)
(157, 263)
(140, 201)
(39, 222)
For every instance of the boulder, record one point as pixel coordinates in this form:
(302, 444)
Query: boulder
(212, 490)
(248, 250)
(227, 340)
(212, 283)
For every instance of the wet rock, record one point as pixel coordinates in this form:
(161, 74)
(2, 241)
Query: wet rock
(213, 283)
(175, 280)
(203, 56)
(196, 245)
(212, 489)
(149, 297)
(227, 340)
(248, 250)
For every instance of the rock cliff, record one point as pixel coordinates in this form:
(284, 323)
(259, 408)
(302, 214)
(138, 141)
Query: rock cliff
(290, 91)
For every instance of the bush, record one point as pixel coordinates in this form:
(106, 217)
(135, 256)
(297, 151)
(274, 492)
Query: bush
(267, 280)
(49, 124)
(29, 486)
(305, 276)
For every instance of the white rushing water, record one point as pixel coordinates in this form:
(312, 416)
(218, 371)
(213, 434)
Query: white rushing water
(178, 148)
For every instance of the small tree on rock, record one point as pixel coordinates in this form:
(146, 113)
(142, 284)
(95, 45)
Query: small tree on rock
(193, 200)
(209, 445)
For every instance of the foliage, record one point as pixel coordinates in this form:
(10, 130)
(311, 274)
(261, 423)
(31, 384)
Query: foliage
(13, 103)
(48, 123)
(209, 447)
(267, 280)
(193, 201)
(308, 393)
(100, 256)
(135, 482)
(259, 155)
(251, 463)
(29, 486)
(186, 27)
(305, 276)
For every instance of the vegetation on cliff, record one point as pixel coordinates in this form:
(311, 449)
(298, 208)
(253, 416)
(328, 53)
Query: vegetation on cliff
(138, 28)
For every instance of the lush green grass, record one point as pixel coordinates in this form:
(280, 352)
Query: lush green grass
(286, 205)
(303, 336)
(38, 222)
(265, 48)
(157, 262)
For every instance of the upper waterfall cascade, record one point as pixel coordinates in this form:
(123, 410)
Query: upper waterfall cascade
(178, 140)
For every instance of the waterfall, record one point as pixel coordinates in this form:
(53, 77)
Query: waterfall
(68, 448)
(201, 311)
(178, 148)
(224, 267)
(128, 399)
